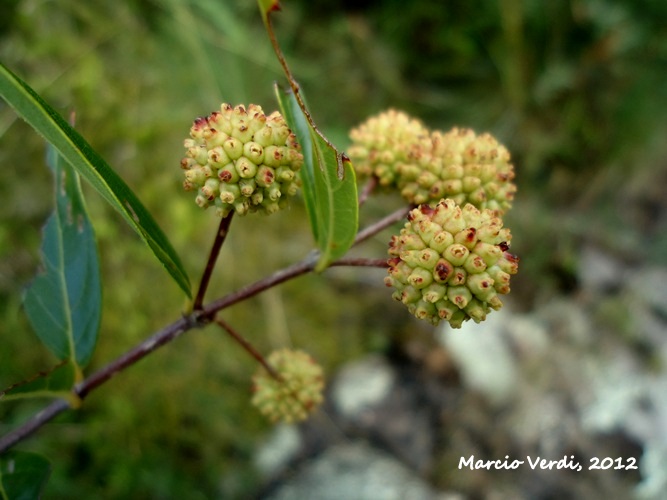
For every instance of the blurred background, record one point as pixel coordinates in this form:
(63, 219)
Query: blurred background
(574, 88)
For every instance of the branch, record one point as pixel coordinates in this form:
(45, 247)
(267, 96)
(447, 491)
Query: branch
(360, 262)
(32, 425)
(194, 320)
(341, 158)
(373, 229)
(220, 236)
(98, 378)
(248, 347)
(369, 187)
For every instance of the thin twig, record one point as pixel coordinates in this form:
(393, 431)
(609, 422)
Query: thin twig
(359, 262)
(369, 187)
(33, 424)
(341, 157)
(220, 236)
(373, 229)
(248, 347)
(82, 389)
(302, 267)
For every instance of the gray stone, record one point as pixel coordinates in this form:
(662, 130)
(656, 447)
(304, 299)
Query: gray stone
(598, 271)
(362, 385)
(355, 471)
(649, 285)
(483, 356)
(282, 446)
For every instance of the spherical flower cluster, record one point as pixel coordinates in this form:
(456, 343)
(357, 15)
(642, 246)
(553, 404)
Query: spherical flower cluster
(451, 263)
(240, 159)
(384, 143)
(298, 392)
(429, 166)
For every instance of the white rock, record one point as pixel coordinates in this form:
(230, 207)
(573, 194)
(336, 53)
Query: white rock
(282, 446)
(484, 357)
(362, 385)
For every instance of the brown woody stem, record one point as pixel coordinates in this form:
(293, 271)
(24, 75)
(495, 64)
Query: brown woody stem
(220, 237)
(196, 319)
(294, 85)
(369, 187)
(248, 347)
(375, 228)
(98, 378)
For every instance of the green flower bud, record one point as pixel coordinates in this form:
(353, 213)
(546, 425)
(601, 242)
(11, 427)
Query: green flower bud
(456, 254)
(291, 188)
(477, 310)
(229, 193)
(273, 192)
(410, 294)
(257, 198)
(474, 264)
(425, 310)
(434, 292)
(265, 176)
(247, 187)
(202, 200)
(254, 152)
(273, 156)
(246, 168)
(198, 154)
(211, 189)
(480, 283)
(228, 174)
(217, 157)
(233, 148)
(214, 138)
(196, 176)
(242, 205)
(284, 174)
(441, 240)
(458, 277)
(459, 295)
(467, 238)
(420, 278)
(270, 207)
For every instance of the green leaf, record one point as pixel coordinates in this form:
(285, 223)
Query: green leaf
(329, 185)
(92, 167)
(63, 302)
(56, 383)
(23, 475)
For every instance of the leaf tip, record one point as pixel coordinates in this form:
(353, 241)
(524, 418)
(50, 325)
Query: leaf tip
(344, 163)
(268, 6)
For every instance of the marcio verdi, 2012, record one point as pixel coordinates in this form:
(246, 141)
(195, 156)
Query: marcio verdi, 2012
(539, 463)
(533, 463)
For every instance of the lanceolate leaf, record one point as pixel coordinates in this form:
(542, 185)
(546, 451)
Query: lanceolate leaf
(63, 302)
(329, 186)
(23, 475)
(78, 153)
(56, 383)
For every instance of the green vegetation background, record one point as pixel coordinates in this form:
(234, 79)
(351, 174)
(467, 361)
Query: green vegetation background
(575, 88)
